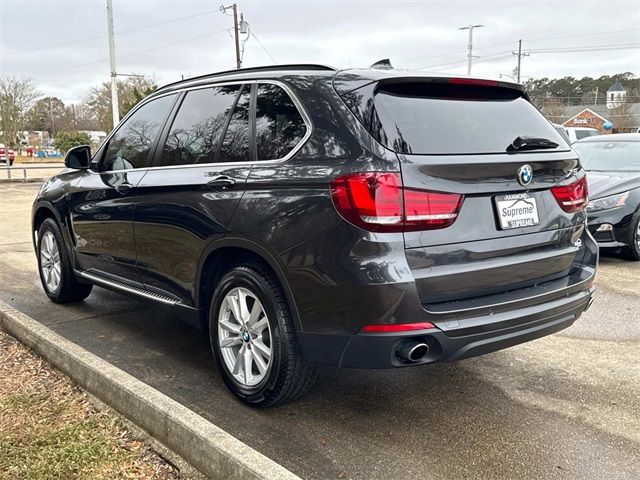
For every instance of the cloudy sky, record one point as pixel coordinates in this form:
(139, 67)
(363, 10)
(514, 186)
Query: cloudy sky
(62, 45)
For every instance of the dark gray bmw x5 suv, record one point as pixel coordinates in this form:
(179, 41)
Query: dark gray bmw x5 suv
(302, 215)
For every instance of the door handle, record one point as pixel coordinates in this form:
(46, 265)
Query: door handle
(124, 188)
(221, 182)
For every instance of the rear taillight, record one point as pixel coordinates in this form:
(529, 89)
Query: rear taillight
(378, 202)
(573, 197)
(427, 210)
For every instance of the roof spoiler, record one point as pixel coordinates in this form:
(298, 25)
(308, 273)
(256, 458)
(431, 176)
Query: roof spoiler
(348, 80)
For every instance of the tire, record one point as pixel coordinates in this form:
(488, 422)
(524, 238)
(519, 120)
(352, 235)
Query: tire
(56, 272)
(632, 251)
(286, 376)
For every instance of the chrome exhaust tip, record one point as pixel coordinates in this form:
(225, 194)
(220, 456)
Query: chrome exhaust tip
(412, 351)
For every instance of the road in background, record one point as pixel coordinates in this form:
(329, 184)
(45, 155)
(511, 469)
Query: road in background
(565, 406)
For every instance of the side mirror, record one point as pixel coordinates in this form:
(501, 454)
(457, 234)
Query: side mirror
(78, 157)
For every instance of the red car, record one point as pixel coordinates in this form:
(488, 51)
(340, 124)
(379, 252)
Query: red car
(7, 155)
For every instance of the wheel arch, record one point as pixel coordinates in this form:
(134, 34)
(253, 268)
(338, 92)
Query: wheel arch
(42, 211)
(221, 254)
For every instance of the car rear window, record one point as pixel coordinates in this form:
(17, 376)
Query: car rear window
(609, 156)
(435, 118)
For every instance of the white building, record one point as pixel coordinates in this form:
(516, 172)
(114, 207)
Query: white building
(97, 136)
(616, 95)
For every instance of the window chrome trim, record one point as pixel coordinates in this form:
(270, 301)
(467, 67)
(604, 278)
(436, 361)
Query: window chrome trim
(296, 101)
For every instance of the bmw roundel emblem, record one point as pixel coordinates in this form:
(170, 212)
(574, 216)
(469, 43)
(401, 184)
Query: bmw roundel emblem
(525, 175)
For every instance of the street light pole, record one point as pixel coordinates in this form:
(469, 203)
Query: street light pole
(470, 44)
(115, 112)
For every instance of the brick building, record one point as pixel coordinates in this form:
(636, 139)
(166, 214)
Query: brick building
(587, 118)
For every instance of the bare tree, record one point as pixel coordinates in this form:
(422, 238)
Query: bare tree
(621, 117)
(130, 92)
(81, 118)
(17, 96)
(554, 110)
(48, 113)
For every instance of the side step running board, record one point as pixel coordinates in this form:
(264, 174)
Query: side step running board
(136, 289)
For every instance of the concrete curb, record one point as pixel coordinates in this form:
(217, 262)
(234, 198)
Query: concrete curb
(208, 448)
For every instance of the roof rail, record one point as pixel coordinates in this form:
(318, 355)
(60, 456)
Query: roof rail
(266, 68)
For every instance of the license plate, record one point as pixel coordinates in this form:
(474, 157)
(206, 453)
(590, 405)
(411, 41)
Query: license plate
(517, 210)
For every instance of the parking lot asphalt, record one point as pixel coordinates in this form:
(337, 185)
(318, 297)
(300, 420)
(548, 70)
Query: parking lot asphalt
(565, 406)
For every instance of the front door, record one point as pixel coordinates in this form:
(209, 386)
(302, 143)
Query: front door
(103, 200)
(189, 199)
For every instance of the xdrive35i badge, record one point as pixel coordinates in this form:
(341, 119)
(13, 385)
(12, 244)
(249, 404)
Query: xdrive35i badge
(525, 175)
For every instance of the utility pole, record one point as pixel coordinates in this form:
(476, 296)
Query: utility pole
(519, 54)
(53, 128)
(235, 30)
(470, 44)
(115, 113)
(75, 121)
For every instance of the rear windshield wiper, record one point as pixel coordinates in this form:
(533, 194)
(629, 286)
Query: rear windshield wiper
(530, 143)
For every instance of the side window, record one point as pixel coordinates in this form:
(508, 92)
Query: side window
(279, 125)
(130, 145)
(235, 146)
(195, 133)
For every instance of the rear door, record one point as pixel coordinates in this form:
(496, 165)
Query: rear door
(102, 201)
(280, 191)
(510, 231)
(189, 197)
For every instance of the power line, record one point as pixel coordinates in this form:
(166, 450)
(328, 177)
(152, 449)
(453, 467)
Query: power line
(173, 44)
(586, 48)
(131, 54)
(494, 56)
(264, 48)
(119, 32)
(581, 35)
(456, 52)
(589, 48)
(524, 39)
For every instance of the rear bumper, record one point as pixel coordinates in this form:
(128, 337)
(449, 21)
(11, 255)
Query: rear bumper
(374, 285)
(380, 350)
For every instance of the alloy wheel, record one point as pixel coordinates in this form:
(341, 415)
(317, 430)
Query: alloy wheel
(244, 336)
(50, 264)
